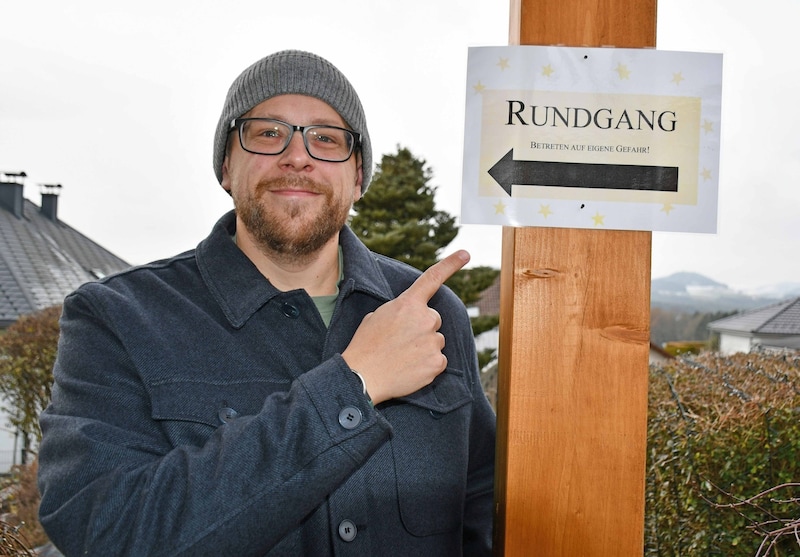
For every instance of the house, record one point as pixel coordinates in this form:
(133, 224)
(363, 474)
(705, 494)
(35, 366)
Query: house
(776, 326)
(42, 259)
(488, 304)
(658, 355)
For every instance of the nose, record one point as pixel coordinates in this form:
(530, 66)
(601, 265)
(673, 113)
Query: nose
(295, 153)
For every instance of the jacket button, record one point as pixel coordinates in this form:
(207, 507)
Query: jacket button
(347, 530)
(350, 417)
(290, 311)
(227, 414)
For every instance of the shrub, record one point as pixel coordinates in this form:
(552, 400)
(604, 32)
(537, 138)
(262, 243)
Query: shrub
(20, 508)
(722, 430)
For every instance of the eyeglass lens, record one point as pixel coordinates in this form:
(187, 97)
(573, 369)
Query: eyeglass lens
(270, 137)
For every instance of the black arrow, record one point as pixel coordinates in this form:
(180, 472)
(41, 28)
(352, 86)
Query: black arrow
(508, 172)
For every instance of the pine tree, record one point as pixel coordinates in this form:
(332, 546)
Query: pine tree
(398, 216)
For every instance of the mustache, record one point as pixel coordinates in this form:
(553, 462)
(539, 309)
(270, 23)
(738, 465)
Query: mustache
(290, 183)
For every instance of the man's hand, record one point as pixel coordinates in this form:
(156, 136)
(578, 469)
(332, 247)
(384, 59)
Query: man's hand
(397, 349)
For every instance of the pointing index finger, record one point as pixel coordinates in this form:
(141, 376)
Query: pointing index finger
(435, 276)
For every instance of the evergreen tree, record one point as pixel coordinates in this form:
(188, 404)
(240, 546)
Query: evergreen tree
(398, 216)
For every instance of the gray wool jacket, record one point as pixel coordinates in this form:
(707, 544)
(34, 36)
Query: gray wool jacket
(197, 410)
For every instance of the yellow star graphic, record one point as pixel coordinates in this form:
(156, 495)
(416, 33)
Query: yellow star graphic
(544, 210)
(598, 219)
(667, 208)
(499, 208)
(677, 78)
(706, 174)
(547, 70)
(707, 126)
(503, 63)
(623, 71)
(479, 87)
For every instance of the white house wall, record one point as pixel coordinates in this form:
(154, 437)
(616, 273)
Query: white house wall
(8, 454)
(488, 339)
(731, 344)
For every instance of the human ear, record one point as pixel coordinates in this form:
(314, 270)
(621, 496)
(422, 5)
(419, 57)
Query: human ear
(359, 180)
(226, 177)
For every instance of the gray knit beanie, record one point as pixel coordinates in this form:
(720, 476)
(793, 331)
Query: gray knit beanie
(300, 73)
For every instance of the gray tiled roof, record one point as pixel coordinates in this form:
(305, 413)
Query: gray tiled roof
(489, 301)
(41, 261)
(780, 319)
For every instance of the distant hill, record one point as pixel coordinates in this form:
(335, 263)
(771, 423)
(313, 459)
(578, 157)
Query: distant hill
(680, 282)
(693, 292)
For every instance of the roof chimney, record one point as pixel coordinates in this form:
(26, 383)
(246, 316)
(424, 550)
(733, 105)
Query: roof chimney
(50, 193)
(11, 184)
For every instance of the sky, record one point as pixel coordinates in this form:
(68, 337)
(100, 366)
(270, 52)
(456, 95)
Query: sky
(118, 101)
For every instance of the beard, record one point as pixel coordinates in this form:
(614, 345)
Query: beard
(292, 231)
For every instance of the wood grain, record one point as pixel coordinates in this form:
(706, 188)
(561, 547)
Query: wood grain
(574, 345)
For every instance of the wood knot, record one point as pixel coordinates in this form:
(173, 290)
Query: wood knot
(626, 334)
(539, 273)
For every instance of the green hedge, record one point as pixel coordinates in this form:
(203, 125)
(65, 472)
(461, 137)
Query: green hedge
(723, 430)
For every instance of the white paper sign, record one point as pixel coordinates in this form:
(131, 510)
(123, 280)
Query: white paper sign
(605, 138)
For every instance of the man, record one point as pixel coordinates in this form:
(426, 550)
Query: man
(279, 390)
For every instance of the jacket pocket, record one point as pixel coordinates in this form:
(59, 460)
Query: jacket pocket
(431, 454)
(191, 410)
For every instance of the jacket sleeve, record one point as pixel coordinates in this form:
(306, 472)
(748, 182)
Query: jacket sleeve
(113, 483)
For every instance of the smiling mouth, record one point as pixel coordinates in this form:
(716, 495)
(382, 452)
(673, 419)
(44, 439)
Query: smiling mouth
(291, 187)
(294, 193)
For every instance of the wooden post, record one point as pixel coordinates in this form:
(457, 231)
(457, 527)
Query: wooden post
(574, 346)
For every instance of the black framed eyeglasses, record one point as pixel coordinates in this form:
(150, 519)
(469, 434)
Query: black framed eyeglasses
(267, 136)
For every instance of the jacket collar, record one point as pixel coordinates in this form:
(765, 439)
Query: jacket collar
(241, 290)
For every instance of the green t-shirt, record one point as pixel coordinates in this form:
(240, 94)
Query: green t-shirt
(326, 304)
